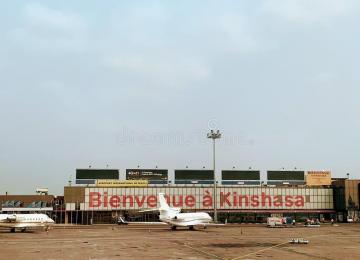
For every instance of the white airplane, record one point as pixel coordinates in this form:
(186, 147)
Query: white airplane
(24, 221)
(174, 218)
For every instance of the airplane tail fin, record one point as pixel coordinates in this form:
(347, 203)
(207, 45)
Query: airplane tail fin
(163, 203)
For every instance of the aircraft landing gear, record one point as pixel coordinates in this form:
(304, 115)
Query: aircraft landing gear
(12, 230)
(173, 227)
(23, 230)
(191, 227)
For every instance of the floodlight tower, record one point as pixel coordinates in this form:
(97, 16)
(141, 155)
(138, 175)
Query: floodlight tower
(214, 135)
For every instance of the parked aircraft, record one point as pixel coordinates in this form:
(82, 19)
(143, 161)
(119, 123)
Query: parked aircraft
(25, 221)
(174, 218)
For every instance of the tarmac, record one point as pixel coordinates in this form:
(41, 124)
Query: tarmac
(159, 242)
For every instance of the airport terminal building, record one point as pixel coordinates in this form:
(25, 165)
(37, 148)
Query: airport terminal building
(100, 196)
(240, 195)
(88, 205)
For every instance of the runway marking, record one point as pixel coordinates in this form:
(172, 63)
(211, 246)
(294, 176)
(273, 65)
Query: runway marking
(261, 250)
(205, 253)
(271, 247)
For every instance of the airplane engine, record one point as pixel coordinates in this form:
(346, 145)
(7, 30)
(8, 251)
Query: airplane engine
(11, 218)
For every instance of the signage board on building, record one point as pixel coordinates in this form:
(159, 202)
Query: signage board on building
(119, 183)
(95, 174)
(240, 175)
(146, 174)
(201, 198)
(189, 174)
(318, 178)
(285, 175)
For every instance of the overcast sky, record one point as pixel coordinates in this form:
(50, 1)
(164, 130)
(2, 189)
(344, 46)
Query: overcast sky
(127, 83)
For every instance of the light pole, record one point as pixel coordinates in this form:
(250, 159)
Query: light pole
(214, 135)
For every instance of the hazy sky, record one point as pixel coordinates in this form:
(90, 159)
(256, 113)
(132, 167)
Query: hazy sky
(129, 83)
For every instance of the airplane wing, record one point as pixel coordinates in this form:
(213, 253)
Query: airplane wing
(190, 223)
(148, 210)
(28, 225)
(21, 225)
